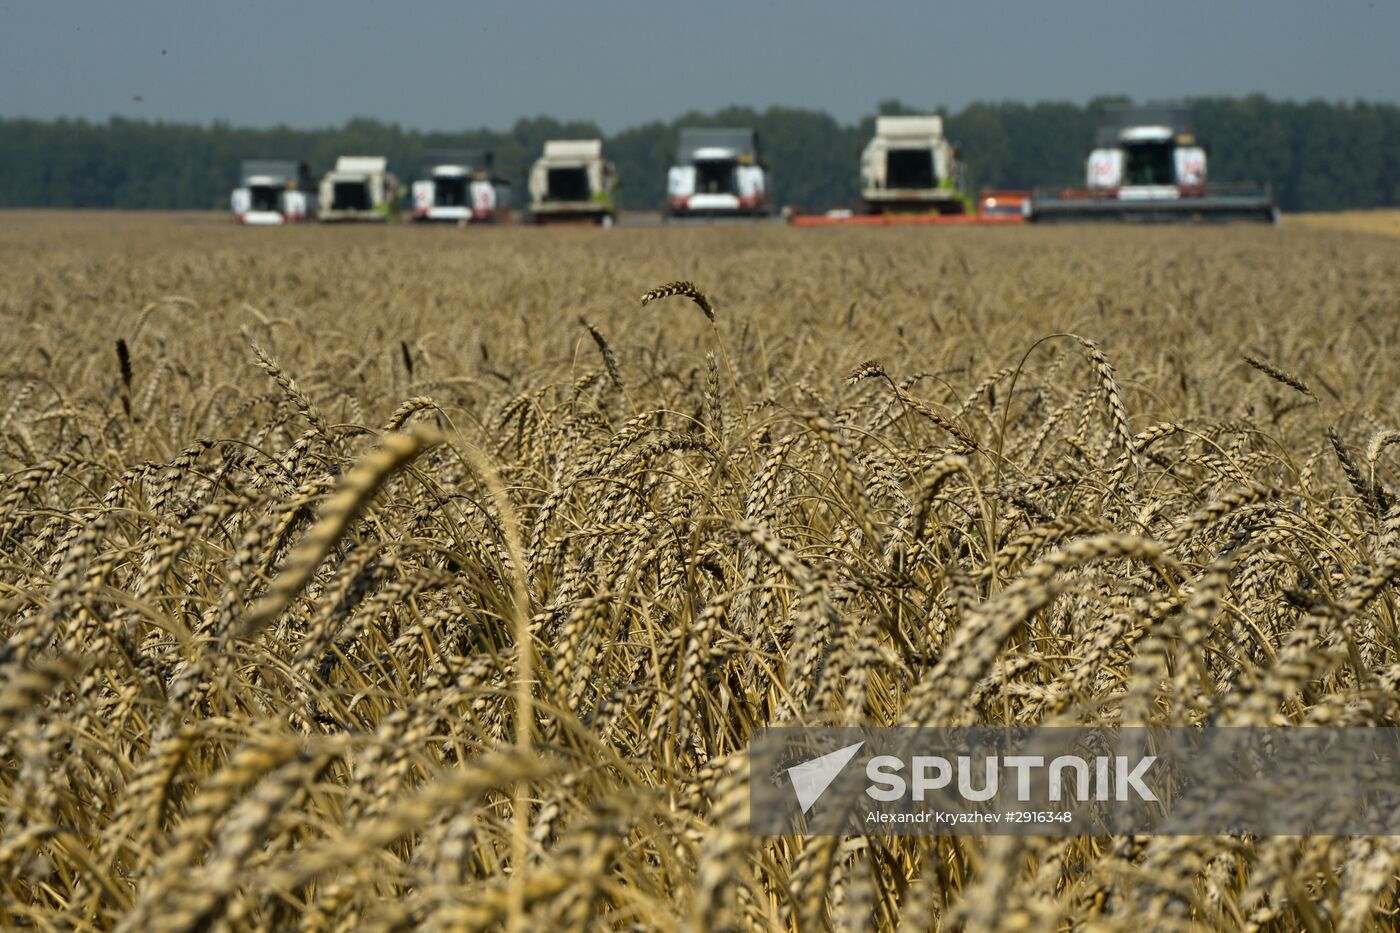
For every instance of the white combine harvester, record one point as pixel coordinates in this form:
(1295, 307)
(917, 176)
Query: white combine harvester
(1148, 166)
(909, 167)
(573, 182)
(718, 173)
(359, 188)
(459, 188)
(273, 192)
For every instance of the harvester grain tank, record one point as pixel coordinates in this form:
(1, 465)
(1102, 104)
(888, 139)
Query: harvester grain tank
(572, 181)
(718, 173)
(1148, 166)
(460, 186)
(359, 188)
(274, 192)
(909, 167)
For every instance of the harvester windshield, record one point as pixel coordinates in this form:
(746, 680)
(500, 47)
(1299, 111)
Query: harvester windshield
(351, 196)
(265, 197)
(568, 183)
(1149, 163)
(715, 176)
(910, 168)
(450, 191)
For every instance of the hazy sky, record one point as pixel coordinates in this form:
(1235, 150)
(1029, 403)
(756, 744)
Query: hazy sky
(442, 65)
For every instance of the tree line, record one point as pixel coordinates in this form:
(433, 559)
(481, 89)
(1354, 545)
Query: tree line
(1316, 155)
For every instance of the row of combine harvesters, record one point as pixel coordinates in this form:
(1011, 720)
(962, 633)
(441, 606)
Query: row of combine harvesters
(1146, 166)
(571, 180)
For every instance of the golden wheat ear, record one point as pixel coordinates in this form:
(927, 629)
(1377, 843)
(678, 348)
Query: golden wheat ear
(686, 289)
(867, 370)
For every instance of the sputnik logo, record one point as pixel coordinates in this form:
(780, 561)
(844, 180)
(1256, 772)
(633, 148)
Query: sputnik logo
(811, 778)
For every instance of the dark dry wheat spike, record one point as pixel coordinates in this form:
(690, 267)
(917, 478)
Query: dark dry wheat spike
(124, 363)
(687, 289)
(945, 421)
(714, 409)
(1279, 375)
(1374, 493)
(609, 360)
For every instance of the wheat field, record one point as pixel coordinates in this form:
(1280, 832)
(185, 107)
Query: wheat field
(371, 579)
(1385, 222)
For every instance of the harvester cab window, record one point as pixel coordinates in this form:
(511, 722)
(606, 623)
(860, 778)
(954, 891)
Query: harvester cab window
(450, 191)
(716, 176)
(265, 197)
(909, 168)
(1149, 164)
(568, 184)
(351, 196)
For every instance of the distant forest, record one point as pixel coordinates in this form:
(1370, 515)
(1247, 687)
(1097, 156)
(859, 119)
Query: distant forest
(1317, 155)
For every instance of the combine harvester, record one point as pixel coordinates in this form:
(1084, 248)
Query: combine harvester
(359, 188)
(911, 176)
(910, 168)
(274, 192)
(1148, 167)
(460, 188)
(573, 182)
(718, 173)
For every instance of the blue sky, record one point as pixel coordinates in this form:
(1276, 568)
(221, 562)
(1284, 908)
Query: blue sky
(442, 65)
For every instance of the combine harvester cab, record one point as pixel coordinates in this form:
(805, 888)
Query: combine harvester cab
(573, 182)
(1148, 167)
(718, 173)
(909, 167)
(911, 176)
(460, 187)
(359, 188)
(274, 192)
